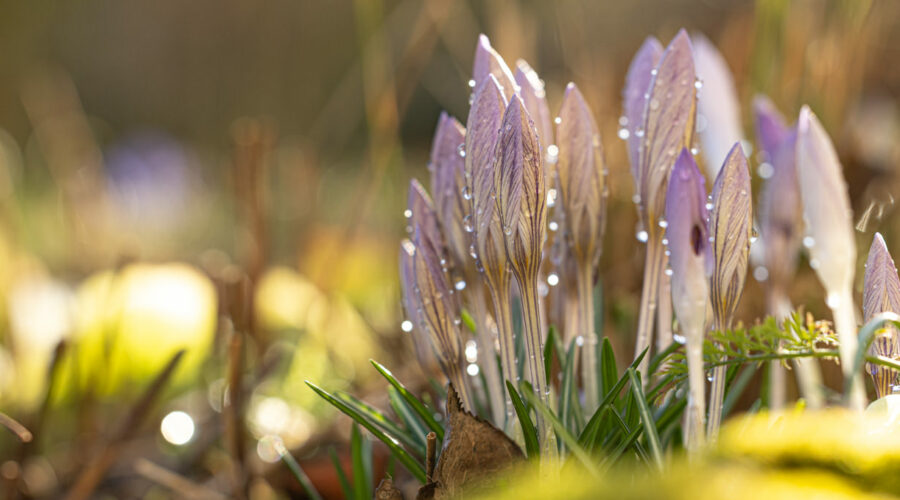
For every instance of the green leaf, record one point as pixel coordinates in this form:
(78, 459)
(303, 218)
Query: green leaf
(568, 400)
(298, 473)
(414, 467)
(413, 401)
(608, 370)
(591, 431)
(646, 417)
(549, 347)
(736, 389)
(564, 434)
(342, 476)
(468, 321)
(376, 417)
(532, 448)
(362, 465)
(415, 427)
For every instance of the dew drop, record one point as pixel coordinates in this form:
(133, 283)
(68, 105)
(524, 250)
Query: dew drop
(669, 271)
(466, 194)
(663, 224)
(624, 133)
(461, 150)
(406, 326)
(639, 132)
(809, 241)
(407, 213)
(654, 104)
(467, 223)
(760, 273)
(765, 170)
(709, 205)
(698, 83)
(833, 300)
(557, 120)
(460, 285)
(623, 121)
(553, 225)
(679, 338)
(642, 236)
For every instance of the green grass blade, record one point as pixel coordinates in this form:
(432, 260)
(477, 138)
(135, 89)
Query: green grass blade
(736, 389)
(609, 373)
(381, 421)
(342, 476)
(569, 410)
(646, 417)
(413, 401)
(361, 485)
(468, 320)
(413, 466)
(416, 429)
(571, 442)
(297, 471)
(549, 348)
(532, 448)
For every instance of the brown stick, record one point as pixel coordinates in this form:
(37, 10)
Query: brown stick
(430, 451)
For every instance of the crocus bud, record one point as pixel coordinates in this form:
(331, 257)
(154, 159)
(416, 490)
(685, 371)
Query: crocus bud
(531, 90)
(718, 104)
(488, 62)
(668, 123)
(582, 178)
(826, 206)
(730, 228)
(780, 224)
(521, 189)
(448, 185)
(637, 86)
(483, 132)
(881, 293)
(424, 224)
(411, 305)
(690, 255)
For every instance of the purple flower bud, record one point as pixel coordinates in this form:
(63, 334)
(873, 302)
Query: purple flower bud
(717, 103)
(521, 189)
(424, 224)
(412, 304)
(780, 224)
(488, 62)
(730, 228)
(582, 178)
(668, 123)
(881, 293)
(637, 85)
(483, 132)
(533, 95)
(826, 205)
(448, 184)
(690, 252)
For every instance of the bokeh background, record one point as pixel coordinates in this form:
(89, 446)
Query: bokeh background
(229, 177)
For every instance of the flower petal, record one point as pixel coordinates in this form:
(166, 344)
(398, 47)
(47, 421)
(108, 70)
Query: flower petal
(488, 62)
(635, 97)
(448, 185)
(581, 175)
(688, 242)
(531, 90)
(521, 189)
(668, 123)
(718, 104)
(881, 286)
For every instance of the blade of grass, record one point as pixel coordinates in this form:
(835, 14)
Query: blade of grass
(360, 486)
(596, 421)
(529, 431)
(341, 475)
(549, 348)
(407, 415)
(380, 420)
(296, 470)
(737, 388)
(571, 442)
(413, 466)
(646, 417)
(609, 373)
(568, 402)
(413, 401)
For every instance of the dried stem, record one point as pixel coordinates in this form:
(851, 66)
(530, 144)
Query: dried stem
(486, 354)
(585, 281)
(649, 295)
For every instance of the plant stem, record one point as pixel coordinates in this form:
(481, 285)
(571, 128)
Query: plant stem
(845, 323)
(534, 362)
(649, 296)
(486, 351)
(695, 430)
(717, 393)
(585, 283)
(503, 317)
(809, 379)
(664, 308)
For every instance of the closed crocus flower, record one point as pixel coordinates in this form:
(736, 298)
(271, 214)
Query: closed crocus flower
(881, 293)
(531, 90)
(692, 263)
(719, 111)
(729, 228)
(780, 223)
(448, 185)
(634, 100)
(522, 204)
(424, 220)
(581, 176)
(412, 307)
(488, 62)
(832, 249)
